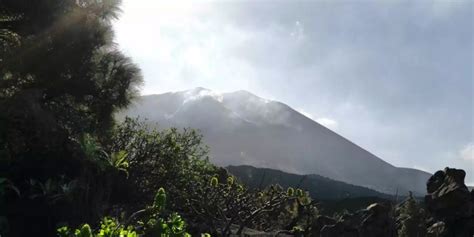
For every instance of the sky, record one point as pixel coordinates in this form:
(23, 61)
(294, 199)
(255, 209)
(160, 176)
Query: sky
(394, 77)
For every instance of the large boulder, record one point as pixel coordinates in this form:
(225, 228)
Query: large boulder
(451, 203)
(378, 222)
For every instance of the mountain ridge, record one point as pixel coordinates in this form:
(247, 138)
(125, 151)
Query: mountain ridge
(244, 129)
(319, 187)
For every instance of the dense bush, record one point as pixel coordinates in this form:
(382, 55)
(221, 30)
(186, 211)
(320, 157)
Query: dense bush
(207, 196)
(170, 158)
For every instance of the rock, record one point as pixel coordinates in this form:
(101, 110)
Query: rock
(248, 232)
(450, 203)
(319, 223)
(339, 230)
(353, 220)
(374, 221)
(378, 222)
(437, 229)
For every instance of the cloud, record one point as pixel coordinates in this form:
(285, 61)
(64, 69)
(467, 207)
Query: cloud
(298, 31)
(395, 77)
(327, 122)
(467, 153)
(303, 112)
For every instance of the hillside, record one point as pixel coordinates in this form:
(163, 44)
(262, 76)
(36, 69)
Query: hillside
(244, 129)
(319, 187)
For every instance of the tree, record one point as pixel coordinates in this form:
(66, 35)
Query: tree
(169, 158)
(66, 58)
(411, 219)
(61, 77)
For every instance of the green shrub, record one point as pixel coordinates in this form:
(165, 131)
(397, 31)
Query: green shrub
(109, 227)
(153, 223)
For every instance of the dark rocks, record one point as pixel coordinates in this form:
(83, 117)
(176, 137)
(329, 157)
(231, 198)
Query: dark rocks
(450, 203)
(339, 229)
(438, 229)
(319, 223)
(378, 222)
(374, 221)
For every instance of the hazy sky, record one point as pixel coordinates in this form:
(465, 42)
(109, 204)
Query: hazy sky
(395, 77)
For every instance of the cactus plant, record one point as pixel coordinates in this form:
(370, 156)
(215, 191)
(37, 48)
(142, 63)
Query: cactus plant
(290, 192)
(160, 199)
(214, 182)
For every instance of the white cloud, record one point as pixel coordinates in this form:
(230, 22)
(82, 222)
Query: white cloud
(327, 122)
(467, 153)
(298, 31)
(199, 93)
(342, 70)
(422, 168)
(183, 44)
(301, 111)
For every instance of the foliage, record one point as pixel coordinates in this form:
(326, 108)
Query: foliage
(64, 160)
(170, 158)
(109, 227)
(173, 226)
(6, 185)
(61, 78)
(207, 196)
(220, 205)
(90, 79)
(153, 223)
(318, 186)
(411, 219)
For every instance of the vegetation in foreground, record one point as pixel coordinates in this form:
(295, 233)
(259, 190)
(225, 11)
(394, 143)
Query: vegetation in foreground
(67, 169)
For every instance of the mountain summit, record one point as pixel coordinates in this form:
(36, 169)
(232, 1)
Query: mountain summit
(244, 129)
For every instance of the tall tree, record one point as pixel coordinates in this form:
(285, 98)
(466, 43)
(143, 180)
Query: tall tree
(61, 77)
(64, 53)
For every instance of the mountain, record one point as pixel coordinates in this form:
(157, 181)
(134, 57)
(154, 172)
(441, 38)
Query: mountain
(319, 187)
(244, 129)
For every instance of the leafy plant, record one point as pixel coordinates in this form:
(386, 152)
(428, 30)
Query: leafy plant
(51, 190)
(118, 160)
(109, 227)
(6, 184)
(153, 223)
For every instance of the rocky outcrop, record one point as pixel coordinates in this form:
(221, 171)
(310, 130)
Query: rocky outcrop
(374, 221)
(450, 203)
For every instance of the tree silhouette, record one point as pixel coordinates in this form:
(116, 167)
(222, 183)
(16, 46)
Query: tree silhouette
(61, 78)
(411, 219)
